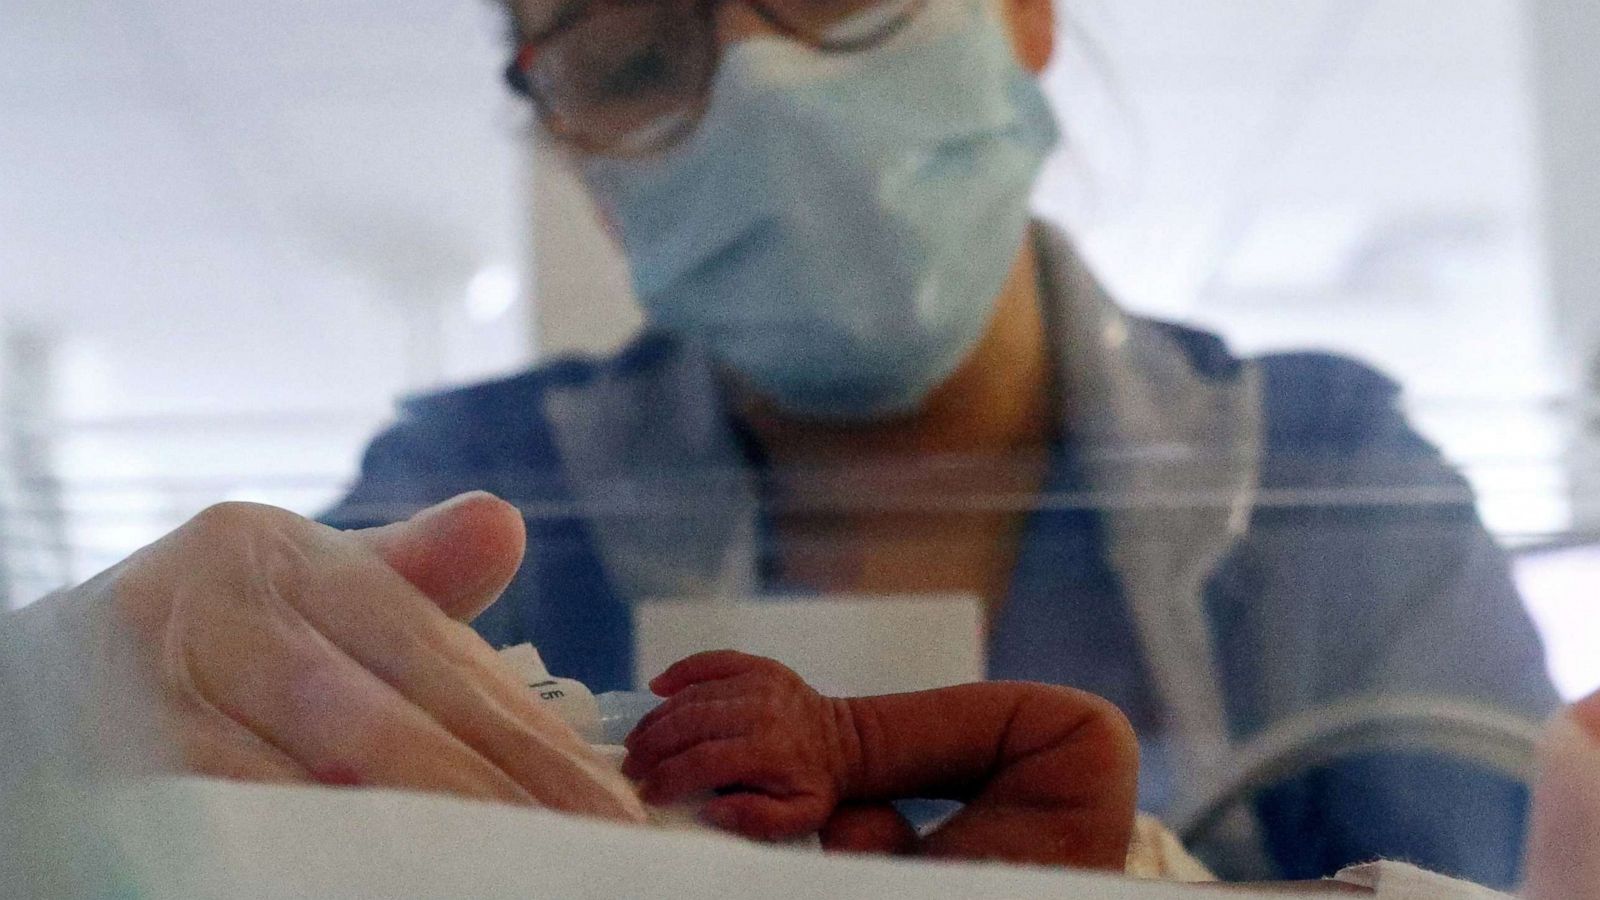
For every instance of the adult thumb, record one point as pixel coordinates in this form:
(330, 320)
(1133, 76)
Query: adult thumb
(1587, 714)
(461, 553)
(1563, 859)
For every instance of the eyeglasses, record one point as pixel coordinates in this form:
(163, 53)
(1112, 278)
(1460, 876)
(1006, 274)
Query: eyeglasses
(632, 77)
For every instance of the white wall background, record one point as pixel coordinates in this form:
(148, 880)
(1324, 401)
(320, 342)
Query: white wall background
(1359, 176)
(1564, 34)
(242, 230)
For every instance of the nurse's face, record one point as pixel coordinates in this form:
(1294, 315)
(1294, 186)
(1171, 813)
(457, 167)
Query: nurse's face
(1031, 21)
(662, 56)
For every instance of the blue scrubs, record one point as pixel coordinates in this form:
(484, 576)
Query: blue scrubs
(635, 477)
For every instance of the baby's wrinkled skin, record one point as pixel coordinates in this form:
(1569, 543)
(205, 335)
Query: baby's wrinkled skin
(1048, 774)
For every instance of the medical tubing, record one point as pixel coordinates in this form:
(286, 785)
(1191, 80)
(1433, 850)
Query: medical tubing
(620, 711)
(1484, 735)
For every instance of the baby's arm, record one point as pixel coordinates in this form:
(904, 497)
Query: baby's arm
(1048, 774)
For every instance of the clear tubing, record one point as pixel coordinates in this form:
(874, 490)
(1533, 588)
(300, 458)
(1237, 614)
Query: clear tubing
(620, 711)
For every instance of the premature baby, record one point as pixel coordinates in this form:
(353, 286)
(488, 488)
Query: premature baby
(1046, 775)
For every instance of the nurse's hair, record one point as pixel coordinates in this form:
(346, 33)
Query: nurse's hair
(512, 73)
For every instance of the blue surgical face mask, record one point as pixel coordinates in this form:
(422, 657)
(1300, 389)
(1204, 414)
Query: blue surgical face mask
(838, 228)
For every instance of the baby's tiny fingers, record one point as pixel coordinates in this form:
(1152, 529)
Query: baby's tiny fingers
(705, 767)
(868, 828)
(713, 665)
(767, 818)
(737, 688)
(683, 727)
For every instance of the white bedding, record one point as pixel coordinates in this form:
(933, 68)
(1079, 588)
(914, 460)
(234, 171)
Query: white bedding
(189, 837)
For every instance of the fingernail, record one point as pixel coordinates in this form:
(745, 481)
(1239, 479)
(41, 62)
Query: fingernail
(452, 504)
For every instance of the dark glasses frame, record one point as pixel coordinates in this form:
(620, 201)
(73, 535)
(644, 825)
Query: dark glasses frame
(519, 77)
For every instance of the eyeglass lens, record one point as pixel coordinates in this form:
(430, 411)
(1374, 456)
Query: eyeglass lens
(613, 70)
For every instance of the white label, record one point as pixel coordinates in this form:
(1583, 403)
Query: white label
(845, 646)
(568, 699)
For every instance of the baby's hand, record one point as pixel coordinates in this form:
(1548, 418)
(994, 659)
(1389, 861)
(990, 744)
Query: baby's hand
(748, 728)
(1047, 775)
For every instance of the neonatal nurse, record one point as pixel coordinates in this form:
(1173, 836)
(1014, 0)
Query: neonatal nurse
(825, 208)
(867, 370)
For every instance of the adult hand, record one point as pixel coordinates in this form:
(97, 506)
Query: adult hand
(1586, 713)
(273, 648)
(1563, 856)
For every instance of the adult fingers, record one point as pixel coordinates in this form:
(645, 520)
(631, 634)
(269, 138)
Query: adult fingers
(310, 639)
(463, 686)
(868, 828)
(1587, 713)
(336, 720)
(215, 745)
(209, 742)
(449, 672)
(461, 553)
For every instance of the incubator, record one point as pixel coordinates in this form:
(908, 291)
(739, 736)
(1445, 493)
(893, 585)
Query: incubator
(887, 642)
(874, 337)
(1320, 662)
